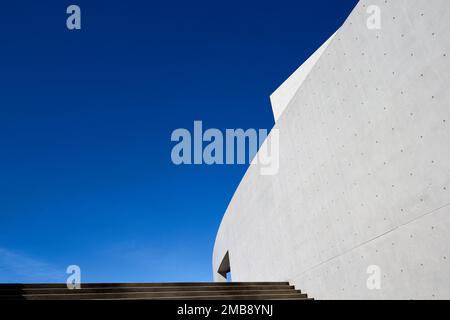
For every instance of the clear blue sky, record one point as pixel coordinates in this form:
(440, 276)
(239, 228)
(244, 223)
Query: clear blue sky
(86, 116)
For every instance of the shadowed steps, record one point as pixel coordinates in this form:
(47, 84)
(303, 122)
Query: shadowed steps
(152, 291)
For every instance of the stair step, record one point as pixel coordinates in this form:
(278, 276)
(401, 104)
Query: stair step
(138, 289)
(135, 295)
(286, 296)
(154, 291)
(126, 285)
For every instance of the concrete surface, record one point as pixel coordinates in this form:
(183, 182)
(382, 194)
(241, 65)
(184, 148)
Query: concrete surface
(284, 94)
(364, 173)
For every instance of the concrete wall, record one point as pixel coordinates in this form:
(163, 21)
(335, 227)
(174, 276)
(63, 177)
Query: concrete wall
(364, 173)
(284, 94)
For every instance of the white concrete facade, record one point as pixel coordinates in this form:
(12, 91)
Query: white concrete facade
(364, 173)
(286, 92)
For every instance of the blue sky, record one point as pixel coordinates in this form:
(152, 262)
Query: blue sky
(86, 116)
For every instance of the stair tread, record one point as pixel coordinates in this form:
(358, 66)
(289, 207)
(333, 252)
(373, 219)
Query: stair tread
(137, 284)
(143, 289)
(154, 291)
(156, 294)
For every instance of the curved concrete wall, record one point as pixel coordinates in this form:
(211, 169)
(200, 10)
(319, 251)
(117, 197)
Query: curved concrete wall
(284, 94)
(364, 173)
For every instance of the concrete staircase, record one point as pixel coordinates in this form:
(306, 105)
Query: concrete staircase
(151, 291)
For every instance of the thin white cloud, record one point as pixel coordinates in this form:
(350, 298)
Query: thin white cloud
(20, 267)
